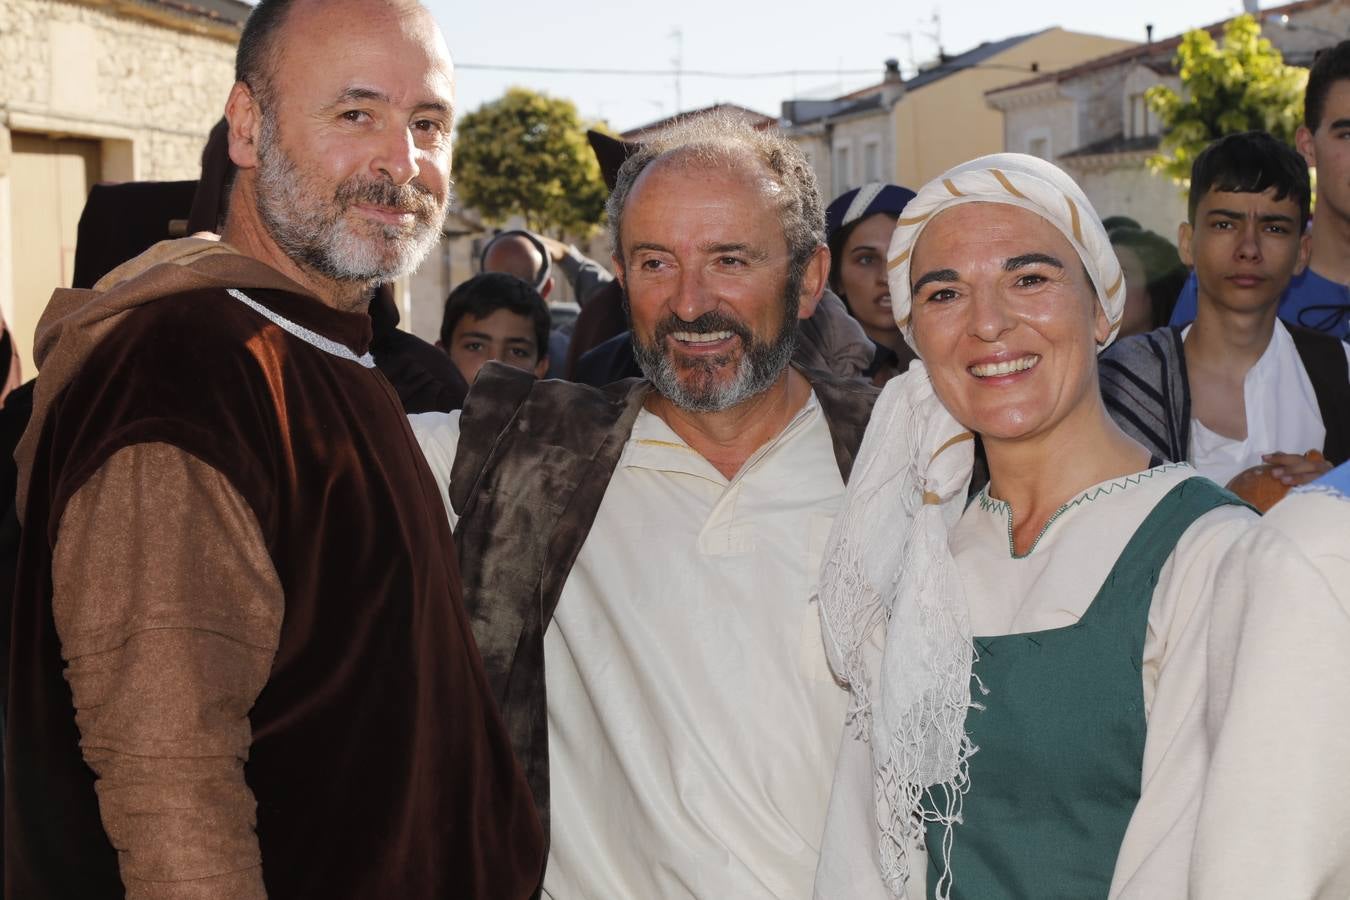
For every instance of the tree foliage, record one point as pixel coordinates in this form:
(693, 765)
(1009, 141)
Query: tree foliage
(526, 154)
(1239, 85)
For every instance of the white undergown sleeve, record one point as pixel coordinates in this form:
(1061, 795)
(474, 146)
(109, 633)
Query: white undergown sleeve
(1155, 854)
(1275, 819)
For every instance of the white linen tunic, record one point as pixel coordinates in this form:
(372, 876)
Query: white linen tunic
(1282, 413)
(1275, 819)
(1052, 587)
(693, 719)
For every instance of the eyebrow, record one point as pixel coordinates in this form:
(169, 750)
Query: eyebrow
(935, 275)
(735, 247)
(1265, 217)
(484, 336)
(1340, 123)
(357, 94)
(1031, 259)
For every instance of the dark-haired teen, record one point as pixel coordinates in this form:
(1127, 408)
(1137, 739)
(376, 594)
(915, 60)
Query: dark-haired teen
(1238, 387)
(498, 317)
(1318, 297)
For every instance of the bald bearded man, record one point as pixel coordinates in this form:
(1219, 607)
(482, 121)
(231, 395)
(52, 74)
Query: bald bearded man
(240, 667)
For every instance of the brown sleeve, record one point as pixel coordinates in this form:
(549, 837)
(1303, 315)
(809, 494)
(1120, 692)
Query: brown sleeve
(169, 612)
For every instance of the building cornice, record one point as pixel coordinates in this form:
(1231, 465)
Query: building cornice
(190, 18)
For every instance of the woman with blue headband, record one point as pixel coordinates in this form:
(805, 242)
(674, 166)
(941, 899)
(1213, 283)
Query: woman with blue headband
(1027, 670)
(858, 227)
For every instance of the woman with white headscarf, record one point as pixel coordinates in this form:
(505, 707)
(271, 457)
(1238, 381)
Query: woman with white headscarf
(1027, 670)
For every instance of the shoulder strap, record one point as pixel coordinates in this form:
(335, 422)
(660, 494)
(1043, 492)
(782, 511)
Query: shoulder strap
(1157, 536)
(1323, 357)
(1145, 389)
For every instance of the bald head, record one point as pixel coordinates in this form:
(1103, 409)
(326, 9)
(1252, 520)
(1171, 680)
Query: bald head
(515, 255)
(274, 24)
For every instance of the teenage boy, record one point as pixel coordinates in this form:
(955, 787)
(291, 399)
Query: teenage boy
(1238, 387)
(1318, 297)
(495, 316)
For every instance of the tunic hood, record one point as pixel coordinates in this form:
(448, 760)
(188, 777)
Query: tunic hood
(77, 321)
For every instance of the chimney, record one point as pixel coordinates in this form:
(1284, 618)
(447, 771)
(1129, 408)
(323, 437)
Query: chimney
(892, 87)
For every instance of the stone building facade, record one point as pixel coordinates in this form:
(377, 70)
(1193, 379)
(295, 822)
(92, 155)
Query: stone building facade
(96, 90)
(1092, 119)
(908, 132)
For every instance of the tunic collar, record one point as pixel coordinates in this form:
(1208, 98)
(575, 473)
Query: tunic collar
(350, 330)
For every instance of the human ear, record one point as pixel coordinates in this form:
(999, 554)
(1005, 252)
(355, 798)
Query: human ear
(1303, 140)
(1101, 326)
(1184, 234)
(245, 121)
(1304, 252)
(813, 281)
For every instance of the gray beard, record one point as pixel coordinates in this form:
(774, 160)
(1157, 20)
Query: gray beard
(700, 390)
(316, 234)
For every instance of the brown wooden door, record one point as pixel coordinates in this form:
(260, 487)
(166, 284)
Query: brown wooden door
(50, 181)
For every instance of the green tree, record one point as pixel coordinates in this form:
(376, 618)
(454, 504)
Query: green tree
(1239, 85)
(526, 154)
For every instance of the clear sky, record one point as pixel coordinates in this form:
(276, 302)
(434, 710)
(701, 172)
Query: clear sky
(823, 41)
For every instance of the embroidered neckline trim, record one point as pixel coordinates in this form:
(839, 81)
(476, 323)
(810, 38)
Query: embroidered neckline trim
(990, 505)
(313, 338)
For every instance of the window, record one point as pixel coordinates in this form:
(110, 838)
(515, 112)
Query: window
(872, 161)
(843, 170)
(1140, 126)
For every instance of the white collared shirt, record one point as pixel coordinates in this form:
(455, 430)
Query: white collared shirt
(1282, 413)
(693, 720)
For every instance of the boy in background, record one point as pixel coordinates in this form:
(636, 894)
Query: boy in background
(1238, 387)
(495, 316)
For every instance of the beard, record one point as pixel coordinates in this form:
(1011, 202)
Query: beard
(316, 233)
(700, 385)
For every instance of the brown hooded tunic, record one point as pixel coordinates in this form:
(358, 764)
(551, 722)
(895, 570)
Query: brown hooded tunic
(237, 584)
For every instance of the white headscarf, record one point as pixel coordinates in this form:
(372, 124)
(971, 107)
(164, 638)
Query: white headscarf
(888, 562)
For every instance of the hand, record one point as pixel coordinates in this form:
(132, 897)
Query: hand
(1293, 469)
(556, 249)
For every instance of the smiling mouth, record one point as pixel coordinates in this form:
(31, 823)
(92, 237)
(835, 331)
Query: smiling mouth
(389, 214)
(1005, 367)
(700, 337)
(884, 301)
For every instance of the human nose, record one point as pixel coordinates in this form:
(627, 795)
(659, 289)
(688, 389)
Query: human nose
(692, 295)
(396, 158)
(990, 317)
(1249, 242)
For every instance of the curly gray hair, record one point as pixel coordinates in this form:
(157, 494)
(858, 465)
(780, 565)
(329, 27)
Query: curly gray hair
(726, 139)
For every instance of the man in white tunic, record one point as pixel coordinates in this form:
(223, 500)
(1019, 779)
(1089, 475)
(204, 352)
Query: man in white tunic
(640, 561)
(1275, 818)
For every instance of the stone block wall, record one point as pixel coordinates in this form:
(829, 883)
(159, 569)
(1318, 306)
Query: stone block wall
(89, 69)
